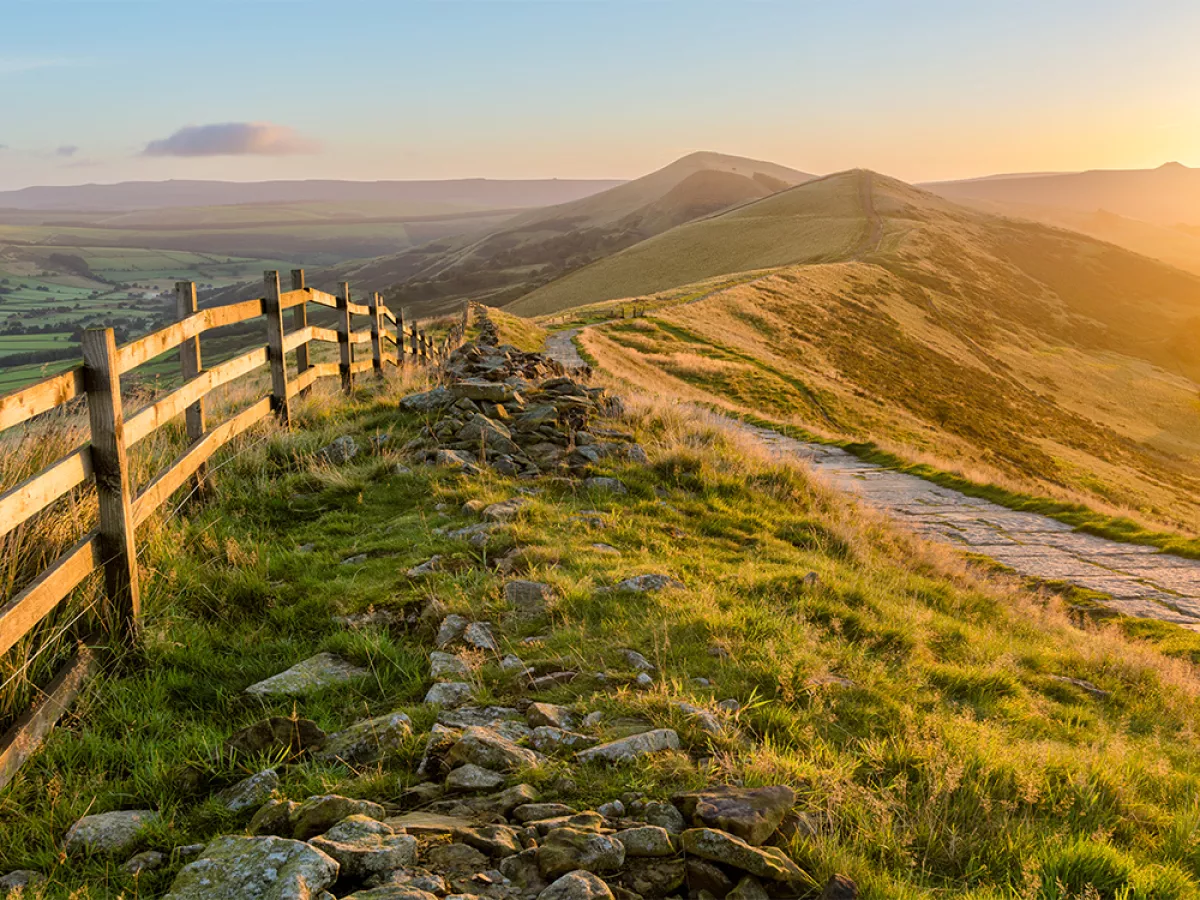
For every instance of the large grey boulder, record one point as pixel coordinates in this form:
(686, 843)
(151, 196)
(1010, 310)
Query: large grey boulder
(632, 747)
(19, 878)
(727, 850)
(449, 693)
(568, 849)
(342, 450)
(549, 739)
(274, 734)
(653, 877)
(364, 847)
(255, 868)
(577, 886)
(367, 742)
(505, 509)
(313, 674)
(752, 814)
(470, 778)
(489, 749)
(447, 665)
(647, 841)
(550, 714)
(392, 892)
(113, 833)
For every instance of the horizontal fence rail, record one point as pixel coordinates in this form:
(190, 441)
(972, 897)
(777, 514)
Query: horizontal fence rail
(111, 548)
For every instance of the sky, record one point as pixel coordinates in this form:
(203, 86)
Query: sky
(103, 91)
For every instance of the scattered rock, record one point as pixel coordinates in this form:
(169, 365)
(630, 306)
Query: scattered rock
(489, 749)
(752, 814)
(530, 599)
(548, 739)
(637, 661)
(719, 847)
(479, 635)
(471, 777)
(111, 833)
(449, 693)
(494, 840)
(577, 886)
(550, 714)
(341, 451)
(505, 509)
(19, 878)
(567, 850)
(273, 817)
(364, 847)
(316, 815)
(354, 560)
(839, 887)
(645, 584)
(729, 706)
(554, 679)
(522, 870)
(644, 679)
(276, 734)
(614, 809)
(1085, 686)
(427, 568)
(367, 742)
(250, 792)
(313, 674)
(270, 868)
(665, 816)
(451, 630)
(455, 859)
(632, 747)
(428, 401)
(536, 812)
(491, 392)
(606, 549)
(146, 861)
(653, 878)
(442, 665)
(391, 892)
(647, 841)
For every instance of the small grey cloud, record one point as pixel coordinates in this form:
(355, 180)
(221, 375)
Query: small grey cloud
(232, 139)
(66, 150)
(4, 146)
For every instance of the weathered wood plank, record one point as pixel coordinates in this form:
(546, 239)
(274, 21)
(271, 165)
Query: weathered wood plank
(28, 732)
(357, 309)
(345, 353)
(157, 414)
(360, 336)
(144, 349)
(329, 335)
(111, 468)
(388, 314)
(276, 358)
(300, 321)
(298, 340)
(29, 607)
(190, 365)
(22, 405)
(38, 491)
(167, 482)
(305, 381)
(321, 298)
(361, 365)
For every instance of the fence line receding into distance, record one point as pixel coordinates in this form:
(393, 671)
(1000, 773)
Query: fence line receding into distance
(112, 545)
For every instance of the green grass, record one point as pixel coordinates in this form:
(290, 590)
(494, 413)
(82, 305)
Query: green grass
(953, 765)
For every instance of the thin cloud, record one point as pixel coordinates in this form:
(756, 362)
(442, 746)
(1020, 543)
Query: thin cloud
(66, 150)
(4, 147)
(232, 139)
(12, 64)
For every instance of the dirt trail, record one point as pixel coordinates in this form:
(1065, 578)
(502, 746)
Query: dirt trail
(1141, 581)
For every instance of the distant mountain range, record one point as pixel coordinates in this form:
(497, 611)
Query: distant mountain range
(1168, 195)
(468, 193)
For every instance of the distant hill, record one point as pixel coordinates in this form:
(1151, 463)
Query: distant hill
(1168, 195)
(817, 220)
(543, 244)
(464, 193)
(1014, 352)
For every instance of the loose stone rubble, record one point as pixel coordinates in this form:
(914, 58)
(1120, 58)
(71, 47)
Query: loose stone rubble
(471, 826)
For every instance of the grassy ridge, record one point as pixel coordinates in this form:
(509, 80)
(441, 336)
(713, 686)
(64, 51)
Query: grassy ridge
(917, 706)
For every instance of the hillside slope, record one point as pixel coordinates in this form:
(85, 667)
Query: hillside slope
(945, 732)
(540, 245)
(1021, 354)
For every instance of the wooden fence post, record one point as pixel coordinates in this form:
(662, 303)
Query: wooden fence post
(400, 338)
(190, 366)
(118, 549)
(299, 322)
(275, 357)
(416, 342)
(376, 335)
(345, 355)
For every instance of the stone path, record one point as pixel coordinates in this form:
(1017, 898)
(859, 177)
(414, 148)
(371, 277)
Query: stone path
(1141, 581)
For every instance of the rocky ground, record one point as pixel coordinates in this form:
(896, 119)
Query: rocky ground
(471, 825)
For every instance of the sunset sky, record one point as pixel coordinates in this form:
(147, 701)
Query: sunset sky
(110, 91)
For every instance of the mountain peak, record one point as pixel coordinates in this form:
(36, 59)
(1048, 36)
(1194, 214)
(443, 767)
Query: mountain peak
(1173, 167)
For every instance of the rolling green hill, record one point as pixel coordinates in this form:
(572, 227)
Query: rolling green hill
(541, 245)
(1011, 352)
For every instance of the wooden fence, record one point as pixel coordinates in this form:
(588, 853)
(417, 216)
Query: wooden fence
(112, 545)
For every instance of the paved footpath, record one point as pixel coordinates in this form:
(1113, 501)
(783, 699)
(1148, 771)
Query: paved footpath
(1141, 581)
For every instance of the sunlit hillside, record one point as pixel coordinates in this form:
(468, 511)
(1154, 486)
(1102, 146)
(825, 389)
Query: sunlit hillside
(1011, 351)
